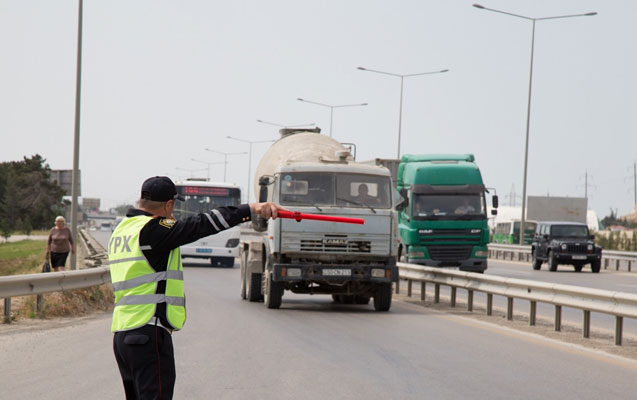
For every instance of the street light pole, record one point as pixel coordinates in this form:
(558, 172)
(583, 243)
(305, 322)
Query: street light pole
(332, 107)
(225, 159)
(528, 108)
(75, 186)
(250, 143)
(402, 78)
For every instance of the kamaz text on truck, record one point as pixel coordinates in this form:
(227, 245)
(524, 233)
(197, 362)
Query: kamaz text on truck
(443, 220)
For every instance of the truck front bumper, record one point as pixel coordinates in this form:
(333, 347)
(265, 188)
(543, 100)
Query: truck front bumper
(470, 264)
(334, 273)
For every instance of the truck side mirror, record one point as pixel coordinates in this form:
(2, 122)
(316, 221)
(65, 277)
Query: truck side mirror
(494, 201)
(260, 224)
(264, 181)
(403, 201)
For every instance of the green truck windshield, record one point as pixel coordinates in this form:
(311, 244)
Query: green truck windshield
(329, 189)
(432, 207)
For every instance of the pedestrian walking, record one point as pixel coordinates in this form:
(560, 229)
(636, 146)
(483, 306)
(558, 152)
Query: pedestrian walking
(59, 243)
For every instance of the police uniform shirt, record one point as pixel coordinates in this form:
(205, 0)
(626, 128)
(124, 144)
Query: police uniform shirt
(161, 235)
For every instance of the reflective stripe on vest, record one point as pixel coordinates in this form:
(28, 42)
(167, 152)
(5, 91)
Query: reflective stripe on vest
(135, 281)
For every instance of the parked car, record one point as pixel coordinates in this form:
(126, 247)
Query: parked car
(565, 243)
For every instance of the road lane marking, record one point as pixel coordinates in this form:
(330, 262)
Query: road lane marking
(571, 348)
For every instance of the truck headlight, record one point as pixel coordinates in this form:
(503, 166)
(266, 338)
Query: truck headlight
(482, 253)
(563, 247)
(589, 247)
(378, 273)
(416, 254)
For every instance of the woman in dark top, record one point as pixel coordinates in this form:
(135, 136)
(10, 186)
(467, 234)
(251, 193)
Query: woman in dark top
(59, 244)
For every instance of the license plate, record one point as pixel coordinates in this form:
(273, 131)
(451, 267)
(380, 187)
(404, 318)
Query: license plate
(200, 250)
(337, 272)
(579, 257)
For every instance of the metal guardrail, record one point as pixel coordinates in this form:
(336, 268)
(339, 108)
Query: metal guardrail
(25, 285)
(38, 284)
(619, 304)
(515, 252)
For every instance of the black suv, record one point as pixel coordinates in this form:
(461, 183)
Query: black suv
(565, 243)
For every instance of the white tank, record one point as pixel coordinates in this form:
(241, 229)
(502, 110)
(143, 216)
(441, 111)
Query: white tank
(299, 146)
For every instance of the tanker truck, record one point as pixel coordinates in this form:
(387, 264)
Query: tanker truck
(308, 172)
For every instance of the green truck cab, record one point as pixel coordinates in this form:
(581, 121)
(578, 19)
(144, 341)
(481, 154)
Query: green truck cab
(443, 218)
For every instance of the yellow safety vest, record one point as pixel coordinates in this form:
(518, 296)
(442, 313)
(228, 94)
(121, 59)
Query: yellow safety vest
(135, 281)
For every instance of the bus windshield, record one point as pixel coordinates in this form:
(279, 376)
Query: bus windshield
(325, 189)
(199, 199)
(464, 206)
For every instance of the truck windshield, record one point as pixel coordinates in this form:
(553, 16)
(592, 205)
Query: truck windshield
(466, 206)
(578, 231)
(325, 189)
(199, 199)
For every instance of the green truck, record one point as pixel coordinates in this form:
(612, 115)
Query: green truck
(443, 216)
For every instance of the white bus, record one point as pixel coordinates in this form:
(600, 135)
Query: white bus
(201, 196)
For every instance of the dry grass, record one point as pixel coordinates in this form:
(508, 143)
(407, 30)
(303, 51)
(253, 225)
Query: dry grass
(67, 303)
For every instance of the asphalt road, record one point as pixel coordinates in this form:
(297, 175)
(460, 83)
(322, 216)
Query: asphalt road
(314, 349)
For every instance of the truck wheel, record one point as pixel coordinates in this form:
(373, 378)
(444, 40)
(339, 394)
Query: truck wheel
(537, 263)
(596, 266)
(578, 267)
(253, 286)
(273, 292)
(382, 297)
(552, 262)
(227, 262)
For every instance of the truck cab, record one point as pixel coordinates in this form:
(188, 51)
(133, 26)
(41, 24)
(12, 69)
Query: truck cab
(353, 263)
(443, 219)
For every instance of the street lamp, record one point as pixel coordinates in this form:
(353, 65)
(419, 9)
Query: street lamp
(331, 108)
(250, 142)
(528, 109)
(225, 159)
(285, 126)
(208, 163)
(402, 78)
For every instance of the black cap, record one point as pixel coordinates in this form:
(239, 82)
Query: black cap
(160, 188)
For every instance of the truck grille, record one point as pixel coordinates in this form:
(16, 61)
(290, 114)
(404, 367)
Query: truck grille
(576, 248)
(331, 244)
(450, 235)
(449, 253)
(308, 242)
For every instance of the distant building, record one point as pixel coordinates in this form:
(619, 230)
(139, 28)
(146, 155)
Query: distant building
(90, 204)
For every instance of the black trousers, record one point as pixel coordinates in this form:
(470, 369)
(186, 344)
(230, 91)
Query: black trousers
(146, 362)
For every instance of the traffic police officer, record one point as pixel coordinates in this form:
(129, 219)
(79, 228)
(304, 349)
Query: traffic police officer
(147, 277)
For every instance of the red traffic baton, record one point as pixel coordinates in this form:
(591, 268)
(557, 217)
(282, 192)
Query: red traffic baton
(298, 216)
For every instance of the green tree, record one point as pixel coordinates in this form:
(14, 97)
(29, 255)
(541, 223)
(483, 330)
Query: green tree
(5, 229)
(26, 192)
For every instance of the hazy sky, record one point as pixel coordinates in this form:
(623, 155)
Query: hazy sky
(163, 80)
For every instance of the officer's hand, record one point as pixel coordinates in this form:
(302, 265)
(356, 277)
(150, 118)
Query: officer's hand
(266, 210)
